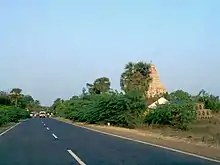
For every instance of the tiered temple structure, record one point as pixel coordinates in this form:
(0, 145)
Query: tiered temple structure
(155, 87)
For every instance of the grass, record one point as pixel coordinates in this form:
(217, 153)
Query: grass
(205, 132)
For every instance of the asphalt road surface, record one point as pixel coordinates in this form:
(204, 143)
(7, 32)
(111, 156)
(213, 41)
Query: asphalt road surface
(50, 142)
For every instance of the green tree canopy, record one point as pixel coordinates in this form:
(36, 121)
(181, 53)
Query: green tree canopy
(179, 95)
(136, 77)
(4, 98)
(210, 101)
(15, 94)
(99, 86)
(16, 91)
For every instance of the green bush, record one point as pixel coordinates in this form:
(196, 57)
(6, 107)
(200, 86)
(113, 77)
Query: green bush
(211, 102)
(12, 114)
(117, 108)
(177, 115)
(128, 109)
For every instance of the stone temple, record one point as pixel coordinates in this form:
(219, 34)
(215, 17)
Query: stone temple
(155, 87)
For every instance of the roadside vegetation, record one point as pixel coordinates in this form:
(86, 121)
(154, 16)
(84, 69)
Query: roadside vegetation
(98, 103)
(15, 106)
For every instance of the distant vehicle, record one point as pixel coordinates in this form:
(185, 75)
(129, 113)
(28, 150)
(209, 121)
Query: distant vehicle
(42, 114)
(31, 114)
(48, 115)
(36, 114)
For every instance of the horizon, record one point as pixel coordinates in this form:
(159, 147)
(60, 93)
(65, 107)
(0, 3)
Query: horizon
(51, 49)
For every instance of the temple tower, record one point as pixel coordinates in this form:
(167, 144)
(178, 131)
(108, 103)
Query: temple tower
(155, 87)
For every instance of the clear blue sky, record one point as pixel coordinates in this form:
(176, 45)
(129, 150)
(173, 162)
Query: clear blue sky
(52, 48)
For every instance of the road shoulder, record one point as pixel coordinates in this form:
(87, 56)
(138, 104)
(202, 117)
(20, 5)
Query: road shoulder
(191, 148)
(6, 127)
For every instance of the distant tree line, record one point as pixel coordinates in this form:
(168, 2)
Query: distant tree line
(99, 104)
(15, 106)
(16, 98)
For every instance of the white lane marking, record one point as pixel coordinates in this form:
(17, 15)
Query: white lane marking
(55, 136)
(9, 129)
(151, 144)
(76, 157)
(48, 128)
(44, 124)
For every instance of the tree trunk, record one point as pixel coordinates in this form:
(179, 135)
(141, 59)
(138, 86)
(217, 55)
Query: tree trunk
(16, 102)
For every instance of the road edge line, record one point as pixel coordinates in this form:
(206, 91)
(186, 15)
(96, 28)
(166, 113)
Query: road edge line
(76, 157)
(151, 144)
(9, 129)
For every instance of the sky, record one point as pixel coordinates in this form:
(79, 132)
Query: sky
(52, 48)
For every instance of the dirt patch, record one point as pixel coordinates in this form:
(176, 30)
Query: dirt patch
(175, 142)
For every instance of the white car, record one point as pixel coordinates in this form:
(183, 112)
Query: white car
(42, 114)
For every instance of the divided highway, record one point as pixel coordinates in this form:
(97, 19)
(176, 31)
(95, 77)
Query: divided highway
(50, 142)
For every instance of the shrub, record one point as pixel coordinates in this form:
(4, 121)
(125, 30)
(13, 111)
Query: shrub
(117, 108)
(177, 115)
(12, 114)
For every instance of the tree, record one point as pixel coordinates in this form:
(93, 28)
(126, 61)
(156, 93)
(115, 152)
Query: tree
(74, 97)
(4, 98)
(102, 85)
(37, 103)
(136, 77)
(22, 102)
(178, 95)
(84, 91)
(99, 86)
(29, 99)
(90, 88)
(210, 101)
(15, 94)
(56, 103)
(16, 90)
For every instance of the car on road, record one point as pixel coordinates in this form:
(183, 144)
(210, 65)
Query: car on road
(42, 114)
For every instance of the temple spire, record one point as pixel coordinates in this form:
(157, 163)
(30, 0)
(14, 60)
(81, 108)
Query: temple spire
(155, 87)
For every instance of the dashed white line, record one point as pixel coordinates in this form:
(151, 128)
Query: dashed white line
(44, 124)
(48, 128)
(76, 157)
(55, 136)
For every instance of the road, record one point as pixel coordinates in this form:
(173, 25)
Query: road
(51, 142)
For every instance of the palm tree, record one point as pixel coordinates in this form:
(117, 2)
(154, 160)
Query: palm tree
(136, 77)
(100, 85)
(91, 89)
(15, 93)
(126, 76)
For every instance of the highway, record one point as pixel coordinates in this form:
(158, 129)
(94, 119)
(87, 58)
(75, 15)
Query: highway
(50, 142)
